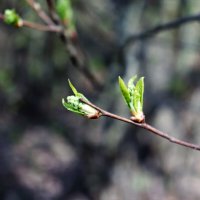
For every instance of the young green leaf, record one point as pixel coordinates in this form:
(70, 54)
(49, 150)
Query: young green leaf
(124, 91)
(136, 102)
(137, 98)
(140, 89)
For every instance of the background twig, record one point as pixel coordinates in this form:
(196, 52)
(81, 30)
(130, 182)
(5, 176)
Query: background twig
(161, 27)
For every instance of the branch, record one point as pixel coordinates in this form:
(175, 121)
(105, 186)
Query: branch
(161, 27)
(143, 125)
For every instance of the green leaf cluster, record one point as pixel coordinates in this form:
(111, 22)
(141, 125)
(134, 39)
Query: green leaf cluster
(133, 94)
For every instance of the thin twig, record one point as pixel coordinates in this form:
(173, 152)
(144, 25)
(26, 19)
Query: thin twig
(161, 27)
(40, 12)
(144, 126)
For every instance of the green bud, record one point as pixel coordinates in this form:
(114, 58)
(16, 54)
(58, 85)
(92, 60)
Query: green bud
(11, 17)
(74, 104)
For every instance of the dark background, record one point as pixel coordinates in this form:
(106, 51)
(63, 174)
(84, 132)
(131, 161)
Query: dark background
(48, 153)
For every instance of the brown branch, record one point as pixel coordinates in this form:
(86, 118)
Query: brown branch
(144, 126)
(161, 27)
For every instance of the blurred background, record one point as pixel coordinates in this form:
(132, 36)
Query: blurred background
(48, 153)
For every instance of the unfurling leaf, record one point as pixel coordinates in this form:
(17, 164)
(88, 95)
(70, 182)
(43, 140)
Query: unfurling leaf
(76, 93)
(124, 91)
(136, 102)
(141, 91)
(131, 85)
(74, 104)
(138, 93)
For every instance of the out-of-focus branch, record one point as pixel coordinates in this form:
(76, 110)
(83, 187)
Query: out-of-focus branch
(161, 27)
(77, 56)
(143, 125)
(53, 22)
(40, 12)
